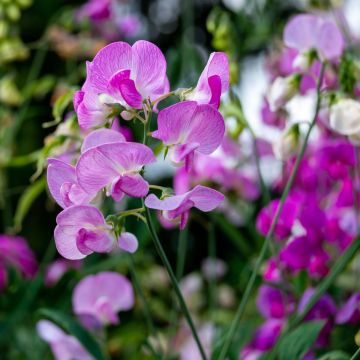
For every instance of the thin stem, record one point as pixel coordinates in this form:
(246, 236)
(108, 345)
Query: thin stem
(174, 282)
(162, 97)
(212, 278)
(141, 294)
(251, 283)
(356, 355)
(181, 252)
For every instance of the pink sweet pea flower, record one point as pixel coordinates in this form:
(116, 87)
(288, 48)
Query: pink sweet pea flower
(63, 186)
(306, 32)
(349, 313)
(115, 166)
(96, 10)
(213, 81)
(98, 298)
(127, 75)
(55, 271)
(63, 346)
(15, 252)
(82, 230)
(128, 242)
(177, 208)
(188, 128)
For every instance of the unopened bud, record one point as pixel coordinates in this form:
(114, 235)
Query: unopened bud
(282, 90)
(288, 143)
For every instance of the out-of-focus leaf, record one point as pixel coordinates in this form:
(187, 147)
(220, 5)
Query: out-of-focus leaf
(26, 200)
(335, 355)
(72, 327)
(297, 343)
(60, 106)
(40, 87)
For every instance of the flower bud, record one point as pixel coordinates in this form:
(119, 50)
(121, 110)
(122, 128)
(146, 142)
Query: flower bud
(282, 90)
(288, 143)
(345, 117)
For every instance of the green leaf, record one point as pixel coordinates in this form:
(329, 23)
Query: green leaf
(335, 355)
(297, 343)
(26, 200)
(72, 327)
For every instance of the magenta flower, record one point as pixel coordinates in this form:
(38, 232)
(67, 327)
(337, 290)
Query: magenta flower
(63, 346)
(349, 313)
(63, 186)
(177, 208)
(15, 252)
(98, 298)
(115, 166)
(273, 303)
(306, 32)
(55, 271)
(189, 128)
(213, 81)
(127, 75)
(82, 230)
(325, 309)
(96, 10)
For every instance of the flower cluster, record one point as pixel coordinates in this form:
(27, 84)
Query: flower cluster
(130, 81)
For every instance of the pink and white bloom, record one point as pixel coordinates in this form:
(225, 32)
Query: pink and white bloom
(187, 128)
(15, 252)
(127, 75)
(177, 208)
(63, 185)
(306, 32)
(82, 230)
(213, 81)
(98, 298)
(63, 346)
(115, 166)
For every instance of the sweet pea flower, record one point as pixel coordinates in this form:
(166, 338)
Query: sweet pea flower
(98, 298)
(63, 346)
(115, 166)
(349, 313)
(188, 128)
(306, 32)
(63, 185)
(55, 271)
(82, 230)
(127, 75)
(100, 137)
(324, 308)
(96, 10)
(345, 118)
(177, 208)
(15, 252)
(213, 81)
(273, 303)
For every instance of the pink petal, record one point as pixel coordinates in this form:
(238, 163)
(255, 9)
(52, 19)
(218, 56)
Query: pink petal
(132, 185)
(65, 241)
(58, 173)
(89, 241)
(48, 331)
(99, 166)
(167, 204)
(206, 199)
(101, 136)
(148, 69)
(330, 41)
(128, 242)
(130, 94)
(299, 32)
(116, 289)
(215, 87)
(108, 61)
(78, 99)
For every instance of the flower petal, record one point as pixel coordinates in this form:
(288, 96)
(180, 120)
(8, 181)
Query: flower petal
(130, 94)
(128, 242)
(101, 136)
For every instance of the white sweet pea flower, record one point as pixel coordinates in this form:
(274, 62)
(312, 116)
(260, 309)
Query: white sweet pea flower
(285, 146)
(282, 90)
(345, 118)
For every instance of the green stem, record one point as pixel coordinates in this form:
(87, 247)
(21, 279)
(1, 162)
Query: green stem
(212, 278)
(263, 251)
(356, 355)
(174, 282)
(181, 252)
(141, 294)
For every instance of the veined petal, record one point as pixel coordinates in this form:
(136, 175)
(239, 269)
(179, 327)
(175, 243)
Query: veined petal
(130, 94)
(329, 40)
(132, 185)
(65, 242)
(100, 137)
(97, 240)
(205, 198)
